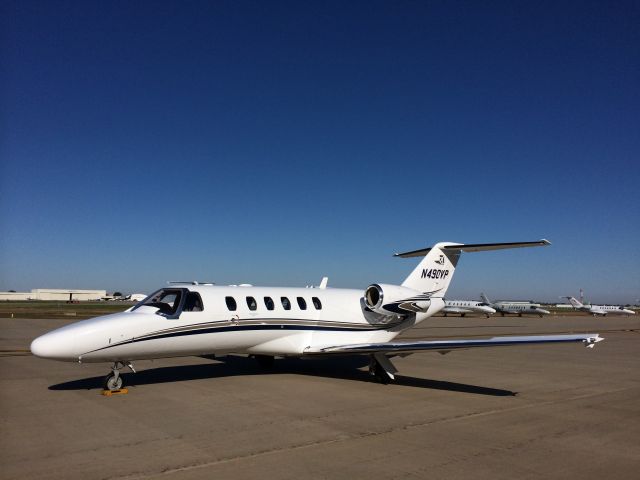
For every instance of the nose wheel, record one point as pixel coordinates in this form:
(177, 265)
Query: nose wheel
(113, 381)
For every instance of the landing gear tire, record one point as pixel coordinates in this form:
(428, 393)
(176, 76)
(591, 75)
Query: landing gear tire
(112, 382)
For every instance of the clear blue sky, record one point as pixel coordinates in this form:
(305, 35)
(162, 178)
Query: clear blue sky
(277, 142)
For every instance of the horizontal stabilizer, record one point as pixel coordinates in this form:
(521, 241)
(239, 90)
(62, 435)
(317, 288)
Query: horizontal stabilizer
(589, 340)
(475, 247)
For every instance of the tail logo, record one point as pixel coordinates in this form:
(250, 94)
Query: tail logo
(440, 260)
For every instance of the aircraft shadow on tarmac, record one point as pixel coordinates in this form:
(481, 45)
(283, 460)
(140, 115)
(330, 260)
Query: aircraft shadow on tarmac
(345, 368)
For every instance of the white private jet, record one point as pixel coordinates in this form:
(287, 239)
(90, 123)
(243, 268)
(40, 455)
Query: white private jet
(201, 320)
(599, 309)
(467, 306)
(135, 297)
(517, 308)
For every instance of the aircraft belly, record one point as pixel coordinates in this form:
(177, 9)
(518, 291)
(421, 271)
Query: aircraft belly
(457, 310)
(344, 338)
(290, 344)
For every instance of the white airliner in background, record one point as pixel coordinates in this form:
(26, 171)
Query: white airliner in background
(517, 308)
(600, 309)
(467, 306)
(199, 320)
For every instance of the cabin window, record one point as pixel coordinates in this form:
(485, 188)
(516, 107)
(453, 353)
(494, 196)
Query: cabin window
(286, 304)
(268, 301)
(301, 303)
(231, 303)
(316, 303)
(251, 303)
(193, 302)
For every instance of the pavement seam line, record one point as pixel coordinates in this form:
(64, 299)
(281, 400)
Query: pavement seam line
(186, 468)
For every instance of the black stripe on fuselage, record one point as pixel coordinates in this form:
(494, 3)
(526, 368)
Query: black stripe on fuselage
(206, 330)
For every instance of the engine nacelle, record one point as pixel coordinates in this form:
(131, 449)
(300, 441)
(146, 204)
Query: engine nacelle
(386, 299)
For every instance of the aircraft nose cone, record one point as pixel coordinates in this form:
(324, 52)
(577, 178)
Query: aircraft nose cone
(41, 347)
(50, 346)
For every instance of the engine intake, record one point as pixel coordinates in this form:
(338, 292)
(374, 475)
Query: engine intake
(385, 299)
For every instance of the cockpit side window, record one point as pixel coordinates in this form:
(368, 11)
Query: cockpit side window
(166, 300)
(193, 302)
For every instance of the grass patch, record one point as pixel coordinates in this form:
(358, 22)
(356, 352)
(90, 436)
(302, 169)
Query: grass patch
(56, 309)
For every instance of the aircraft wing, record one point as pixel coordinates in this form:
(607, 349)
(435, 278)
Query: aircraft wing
(588, 339)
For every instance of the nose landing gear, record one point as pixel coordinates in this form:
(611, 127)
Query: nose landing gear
(113, 381)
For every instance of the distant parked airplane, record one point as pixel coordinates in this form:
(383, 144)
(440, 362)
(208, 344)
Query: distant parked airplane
(467, 306)
(135, 297)
(518, 308)
(600, 309)
(265, 322)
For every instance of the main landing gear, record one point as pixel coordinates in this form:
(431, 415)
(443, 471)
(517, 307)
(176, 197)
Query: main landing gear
(381, 368)
(113, 381)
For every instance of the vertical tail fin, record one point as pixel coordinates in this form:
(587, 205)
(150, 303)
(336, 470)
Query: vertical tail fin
(574, 302)
(484, 298)
(434, 273)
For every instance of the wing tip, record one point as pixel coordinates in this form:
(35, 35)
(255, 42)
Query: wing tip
(591, 340)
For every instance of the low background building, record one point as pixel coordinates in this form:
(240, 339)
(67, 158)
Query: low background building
(54, 294)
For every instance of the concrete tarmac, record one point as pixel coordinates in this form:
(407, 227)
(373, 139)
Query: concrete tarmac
(535, 412)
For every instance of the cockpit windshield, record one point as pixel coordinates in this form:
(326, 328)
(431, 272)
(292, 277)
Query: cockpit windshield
(167, 300)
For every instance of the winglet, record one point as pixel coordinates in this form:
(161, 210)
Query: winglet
(323, 283)
(591, 341)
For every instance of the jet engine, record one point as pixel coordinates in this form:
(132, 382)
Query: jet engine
(386, 299)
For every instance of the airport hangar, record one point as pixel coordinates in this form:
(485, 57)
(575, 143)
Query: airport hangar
(54, 294)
